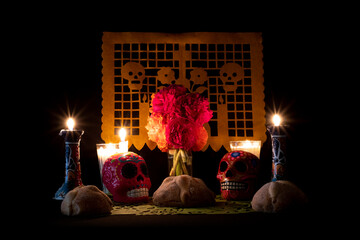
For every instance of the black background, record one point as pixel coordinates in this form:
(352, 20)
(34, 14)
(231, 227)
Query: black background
(67, 81)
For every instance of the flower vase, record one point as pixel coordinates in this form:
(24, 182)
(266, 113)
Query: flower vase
(179, 162)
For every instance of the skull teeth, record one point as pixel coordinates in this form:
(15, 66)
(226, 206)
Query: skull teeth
(138, 192)
(233, 186)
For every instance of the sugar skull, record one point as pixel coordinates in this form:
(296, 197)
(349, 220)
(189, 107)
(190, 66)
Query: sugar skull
(134, 73)
(126, 176)
(237, 175)
(230, 74)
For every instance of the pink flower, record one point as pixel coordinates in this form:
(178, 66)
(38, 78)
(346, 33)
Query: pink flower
(179, 133)
(201, 137)
(177, 119)
(156, 131)
(163, 102)
(194, 107)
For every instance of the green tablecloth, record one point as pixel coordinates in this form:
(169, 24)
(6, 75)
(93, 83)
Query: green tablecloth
(221, 207)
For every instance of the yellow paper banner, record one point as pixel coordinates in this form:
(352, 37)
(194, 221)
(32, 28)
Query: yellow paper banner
(227, 68)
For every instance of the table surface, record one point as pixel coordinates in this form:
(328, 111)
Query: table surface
(209, 222)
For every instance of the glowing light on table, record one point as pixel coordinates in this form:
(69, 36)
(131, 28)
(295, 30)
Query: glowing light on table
(247, 146)
(104, 151)
(70, 124)
(123, 145)
(72, 139)
(276, 120)
(278, 132)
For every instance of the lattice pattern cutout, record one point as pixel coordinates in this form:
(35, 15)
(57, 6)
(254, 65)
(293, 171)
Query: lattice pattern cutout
(227, 68)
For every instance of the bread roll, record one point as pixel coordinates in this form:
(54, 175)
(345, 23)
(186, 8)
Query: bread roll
(278, 196)
(86, 200)
(183, 191)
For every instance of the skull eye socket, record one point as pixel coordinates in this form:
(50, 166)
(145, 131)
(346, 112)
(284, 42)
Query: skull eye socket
(143, 169)
(140, 73)
(130, 73)
(224, 74)
(240, 166)
(129, 170)
(234, 74)
(223, 166)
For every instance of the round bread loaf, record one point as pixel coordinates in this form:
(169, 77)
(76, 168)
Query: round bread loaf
(86, 200)
(183, 191)
(278, 196)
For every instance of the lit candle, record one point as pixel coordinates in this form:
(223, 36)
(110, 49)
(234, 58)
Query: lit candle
(278, 143)
(247, 146)
(72, 139)
(276, 120)
(104, 151)
(123, 145)
(70, 124)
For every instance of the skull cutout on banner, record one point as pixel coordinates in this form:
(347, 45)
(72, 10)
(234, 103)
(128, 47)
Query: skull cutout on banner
(230, 74)
(134, 73)
(126, 176)
(237, 175)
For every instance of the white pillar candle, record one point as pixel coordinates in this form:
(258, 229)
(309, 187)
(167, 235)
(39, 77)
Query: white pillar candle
(123, 145)
(104, 151)
(247, 146)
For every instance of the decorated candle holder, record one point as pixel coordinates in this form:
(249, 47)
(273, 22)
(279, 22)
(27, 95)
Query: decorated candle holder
(278, 145)
(72, 162)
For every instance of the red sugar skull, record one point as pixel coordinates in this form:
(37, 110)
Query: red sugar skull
(126, 176)
(237, 175)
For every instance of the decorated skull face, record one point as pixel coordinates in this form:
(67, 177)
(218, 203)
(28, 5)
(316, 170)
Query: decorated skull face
(230, 74)
(237, 175)
(126, 176)
(134, 73)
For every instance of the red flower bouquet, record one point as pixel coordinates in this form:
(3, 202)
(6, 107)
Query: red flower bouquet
(177, 119)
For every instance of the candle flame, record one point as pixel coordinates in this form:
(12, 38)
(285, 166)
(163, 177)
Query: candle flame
(70, 124)
(276, 120)
(247, 144)
(122, 134)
